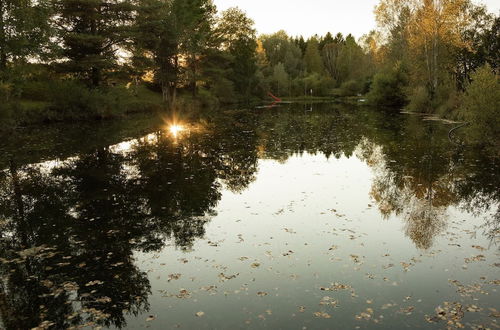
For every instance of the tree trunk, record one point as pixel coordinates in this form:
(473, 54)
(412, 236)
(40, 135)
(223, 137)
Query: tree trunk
(95, 77)
(173, 96)
(164, 92)
(435, 63)
(193, 75)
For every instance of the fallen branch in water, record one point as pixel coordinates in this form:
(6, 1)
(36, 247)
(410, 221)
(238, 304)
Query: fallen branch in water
(453, 130)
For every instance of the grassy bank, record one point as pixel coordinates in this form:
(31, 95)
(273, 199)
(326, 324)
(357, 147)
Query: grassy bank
(71, 102)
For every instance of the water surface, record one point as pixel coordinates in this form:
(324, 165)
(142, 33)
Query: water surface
(296, 217)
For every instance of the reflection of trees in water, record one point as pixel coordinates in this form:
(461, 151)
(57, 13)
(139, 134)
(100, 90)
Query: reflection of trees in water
(422, 174)
(68, 231)
(422, 204)
(71, 228)
(478, 187)
(418, 172)
(293, 132)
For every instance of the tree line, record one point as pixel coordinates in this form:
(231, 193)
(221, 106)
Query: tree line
(80, 58)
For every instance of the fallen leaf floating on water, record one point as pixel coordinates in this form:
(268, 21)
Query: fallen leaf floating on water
(451, 313)
(407, 311)
(173, 277)
(475, 258)
(406, 266)
(70, 286)
(262, 293)
(183, 294)
(255, 265)
(224, 277)
(494, 313)
(328, 301)
(302, 309)
(335, 287)
(322, 315)
(366, 315)
(32, 251)
(150, 318)
(199, 314)
(473, 308)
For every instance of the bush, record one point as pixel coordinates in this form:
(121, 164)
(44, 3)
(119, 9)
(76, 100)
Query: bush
(481, 107)
(206, 98)
(6, 107)
(351, 88)
(420, 100)
(36, 90)
(223, 90)
(71, 99)
(450, 104)
(320, 85)
(388, 87)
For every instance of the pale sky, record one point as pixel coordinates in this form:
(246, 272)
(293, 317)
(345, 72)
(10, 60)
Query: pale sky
(308, 17)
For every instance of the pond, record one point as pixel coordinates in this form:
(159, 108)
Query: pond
(302, 216)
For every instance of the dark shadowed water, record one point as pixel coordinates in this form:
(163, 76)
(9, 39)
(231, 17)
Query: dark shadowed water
(297, 217)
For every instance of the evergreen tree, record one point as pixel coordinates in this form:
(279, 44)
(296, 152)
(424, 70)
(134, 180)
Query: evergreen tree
(327, 39)
(90, 32)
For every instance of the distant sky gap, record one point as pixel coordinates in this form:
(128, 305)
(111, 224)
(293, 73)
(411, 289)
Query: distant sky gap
(300, 17)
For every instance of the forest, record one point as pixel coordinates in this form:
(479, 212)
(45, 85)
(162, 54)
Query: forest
(82, 59)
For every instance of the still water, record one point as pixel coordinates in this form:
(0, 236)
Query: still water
(296, 217)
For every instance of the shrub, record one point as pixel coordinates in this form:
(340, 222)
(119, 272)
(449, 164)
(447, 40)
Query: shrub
(388, 87)
(351, 88)
(6, 108)
(481, 106)
(420, 100)
(71, 99)
(207, 99)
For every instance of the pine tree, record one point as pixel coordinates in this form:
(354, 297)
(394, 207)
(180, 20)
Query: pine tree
(90, 33)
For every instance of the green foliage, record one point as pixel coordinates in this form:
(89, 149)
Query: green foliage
(90, 32)
(72, 99)
(236, 34)
(420, 100)
(388, 87)
(481, 106)
(351, 88)
(312, 58)
(280, 48)
(6, 107)
(280, 80)
(314, 85)
(24, 30)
